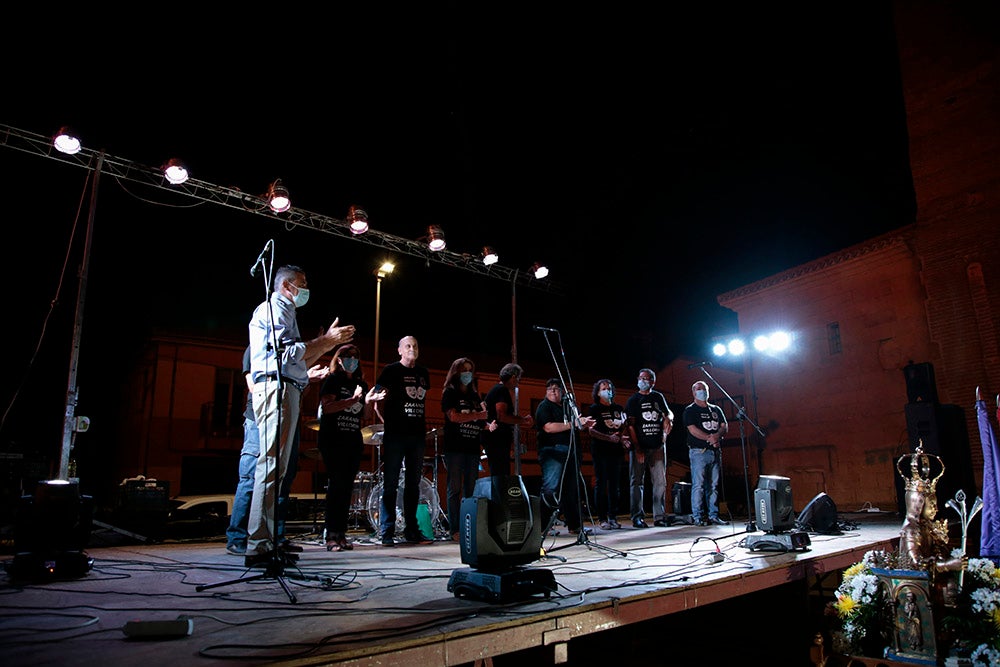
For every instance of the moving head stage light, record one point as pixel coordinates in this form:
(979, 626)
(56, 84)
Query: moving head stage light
(776, 516)
(500, 530)
(51, 530)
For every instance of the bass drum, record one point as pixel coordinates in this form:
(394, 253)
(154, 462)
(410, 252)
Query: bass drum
(428, 496)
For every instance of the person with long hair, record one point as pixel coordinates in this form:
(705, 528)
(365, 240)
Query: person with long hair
(608, 438)
(345, 402)
(464, 422)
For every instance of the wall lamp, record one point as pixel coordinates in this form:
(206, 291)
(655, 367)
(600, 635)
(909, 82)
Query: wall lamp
(490, 256)
(66, 141)
(277, 197)
(174, 171)
(539, 270)
(358, 220)
(435, 238)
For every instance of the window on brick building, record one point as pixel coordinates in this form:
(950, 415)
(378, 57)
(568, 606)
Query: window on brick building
(833, 337)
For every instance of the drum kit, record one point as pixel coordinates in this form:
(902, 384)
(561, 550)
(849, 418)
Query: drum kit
(368, 486)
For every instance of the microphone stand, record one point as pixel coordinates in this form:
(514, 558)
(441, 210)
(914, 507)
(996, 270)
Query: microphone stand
(572, 458)
(741, 414)
(275, 568)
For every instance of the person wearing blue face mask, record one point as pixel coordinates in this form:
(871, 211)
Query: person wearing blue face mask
(650, 422)
(608, 438)
(464, 423)
(706, 425)
(346, 403)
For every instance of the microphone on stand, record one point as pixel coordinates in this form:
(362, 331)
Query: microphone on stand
(699, 364)
(261, 258)
(538, 328)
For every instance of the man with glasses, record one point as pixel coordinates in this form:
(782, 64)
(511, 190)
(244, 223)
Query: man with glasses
(279, 367)
(558, 456)
(650, 421)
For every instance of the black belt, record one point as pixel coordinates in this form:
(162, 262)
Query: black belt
(268, 376)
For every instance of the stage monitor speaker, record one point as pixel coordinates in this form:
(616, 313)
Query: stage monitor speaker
(773, 502)
(819, 516)
(920, 384)
(500, 526)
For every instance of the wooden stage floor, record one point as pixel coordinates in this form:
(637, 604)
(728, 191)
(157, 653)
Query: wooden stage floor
(630, 596)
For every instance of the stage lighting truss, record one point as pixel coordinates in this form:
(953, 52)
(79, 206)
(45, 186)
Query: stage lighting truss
(235, 198)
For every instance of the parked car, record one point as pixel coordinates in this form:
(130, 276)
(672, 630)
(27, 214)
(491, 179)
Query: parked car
(208, 515)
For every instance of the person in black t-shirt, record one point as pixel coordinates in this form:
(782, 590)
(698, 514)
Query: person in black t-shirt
(650, 422)
(465, 420)
(608, 438)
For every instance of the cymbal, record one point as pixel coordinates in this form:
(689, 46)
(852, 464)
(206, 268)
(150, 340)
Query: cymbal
(311, 454)
(312, 424)
(372, 435)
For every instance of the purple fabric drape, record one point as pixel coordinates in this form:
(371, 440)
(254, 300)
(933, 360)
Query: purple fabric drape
(989, 541)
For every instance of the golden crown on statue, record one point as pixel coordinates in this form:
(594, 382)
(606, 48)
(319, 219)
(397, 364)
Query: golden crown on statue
(920, 478)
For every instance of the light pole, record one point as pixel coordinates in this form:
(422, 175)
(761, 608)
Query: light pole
(380, 273)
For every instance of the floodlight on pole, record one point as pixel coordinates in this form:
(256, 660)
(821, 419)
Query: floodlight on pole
(381, 272)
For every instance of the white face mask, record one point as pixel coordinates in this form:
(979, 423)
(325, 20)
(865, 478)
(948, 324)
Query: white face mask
(701, 395)
(350, 364)
(644, 385)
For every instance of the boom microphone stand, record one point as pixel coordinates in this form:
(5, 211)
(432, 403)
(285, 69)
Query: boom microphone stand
(741, 414)
(275, 567)
(572, 457)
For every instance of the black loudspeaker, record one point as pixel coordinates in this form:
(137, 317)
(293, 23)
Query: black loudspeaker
(773, 501)
(682, 498)
(920, 384)
(943, 431)
(500, 527)
(819, 516)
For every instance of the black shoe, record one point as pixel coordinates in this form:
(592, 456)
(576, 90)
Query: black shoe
(716, 521)
(639, 523)
(416, 538)
(660, 523)
(701, 522)
(586, 531)
(388, 541)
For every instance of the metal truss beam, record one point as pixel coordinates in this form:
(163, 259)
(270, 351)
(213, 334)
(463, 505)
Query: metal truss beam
(37, 144)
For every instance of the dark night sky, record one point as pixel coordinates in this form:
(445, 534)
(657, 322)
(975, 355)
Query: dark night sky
(653, 158)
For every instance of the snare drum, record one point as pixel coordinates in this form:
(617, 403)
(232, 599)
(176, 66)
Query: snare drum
(428, 495)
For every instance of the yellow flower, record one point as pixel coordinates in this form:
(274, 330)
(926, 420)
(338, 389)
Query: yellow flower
(845, 605)
(995, 615)
(853, 570)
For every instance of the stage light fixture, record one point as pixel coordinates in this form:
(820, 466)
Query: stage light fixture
(174, 171)
(776, 517)
(435, 238)
(490, 256)
(539, 270)
(385, 269)
(277, 197)
(500, 531)
(66, 141)
(358, 220)
(51, 529)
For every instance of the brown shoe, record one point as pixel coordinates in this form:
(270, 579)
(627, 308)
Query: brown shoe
(344, 544)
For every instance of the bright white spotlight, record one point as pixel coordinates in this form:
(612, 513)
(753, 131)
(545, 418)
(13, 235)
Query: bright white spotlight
(277, 197)
(358, 220)
(780, 340)
(490, 256)
(175, 172)
(761, 343)
(539, 270)
(736, 347)
(719, 349)
(66, 141)
(435, 238)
